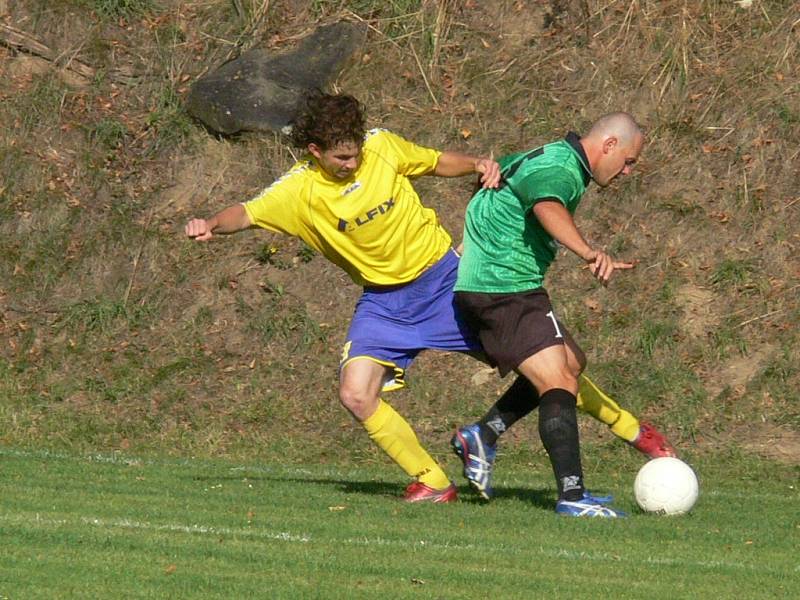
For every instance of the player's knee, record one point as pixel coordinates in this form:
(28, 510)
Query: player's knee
(358, 400)
(576, 361)
(563, 378)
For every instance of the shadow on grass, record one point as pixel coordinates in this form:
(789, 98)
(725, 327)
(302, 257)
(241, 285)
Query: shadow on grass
(540, 497)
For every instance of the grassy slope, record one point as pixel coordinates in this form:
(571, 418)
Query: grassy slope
(119, 334)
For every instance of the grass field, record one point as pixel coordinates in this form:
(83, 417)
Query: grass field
(111, 526)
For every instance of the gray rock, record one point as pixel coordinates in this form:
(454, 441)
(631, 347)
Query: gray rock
(259, 90)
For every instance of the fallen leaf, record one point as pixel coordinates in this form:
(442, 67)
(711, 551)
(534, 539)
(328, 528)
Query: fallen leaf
(721, 217)
(592, 304)
(482, 376)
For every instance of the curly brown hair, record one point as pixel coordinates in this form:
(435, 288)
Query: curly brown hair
(327, 120)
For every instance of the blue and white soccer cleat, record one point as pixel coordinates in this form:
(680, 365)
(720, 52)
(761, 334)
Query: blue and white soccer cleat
(587, 495)
(588, 506)
(478, 459)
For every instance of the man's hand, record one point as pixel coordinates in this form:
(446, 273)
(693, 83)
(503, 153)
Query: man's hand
(490, 172)
(199, 229)
(602, 265)
(455, 164)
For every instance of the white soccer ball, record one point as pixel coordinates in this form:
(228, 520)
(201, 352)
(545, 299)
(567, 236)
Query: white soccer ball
(666, 485)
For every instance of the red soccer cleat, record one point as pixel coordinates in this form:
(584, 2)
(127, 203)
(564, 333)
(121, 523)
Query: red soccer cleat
(419, 492)
(652, 442)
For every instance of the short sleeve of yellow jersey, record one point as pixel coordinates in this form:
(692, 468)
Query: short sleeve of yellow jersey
(278, 207)
(413, 160)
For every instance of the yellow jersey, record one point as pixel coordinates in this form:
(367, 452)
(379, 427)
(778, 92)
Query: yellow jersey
(373, 224)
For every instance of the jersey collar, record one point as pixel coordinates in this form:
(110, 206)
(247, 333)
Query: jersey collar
(574, 141)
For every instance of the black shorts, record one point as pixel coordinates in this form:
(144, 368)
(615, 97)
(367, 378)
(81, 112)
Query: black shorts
(511, 327)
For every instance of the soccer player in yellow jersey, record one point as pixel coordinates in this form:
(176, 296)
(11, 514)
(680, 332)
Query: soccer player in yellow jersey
(351, 199)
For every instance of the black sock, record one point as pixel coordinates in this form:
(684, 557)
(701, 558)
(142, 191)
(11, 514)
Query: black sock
(558, 428)
(517, 401)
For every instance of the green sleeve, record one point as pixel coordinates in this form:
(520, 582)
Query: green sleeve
(550, 182)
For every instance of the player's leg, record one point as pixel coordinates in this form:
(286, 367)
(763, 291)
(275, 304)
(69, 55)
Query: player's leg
(521, 398)
(550, 371)
(516, 402)
(361, 382)
(592, 400)
(476, 444)
(379, 348)
(641, 435)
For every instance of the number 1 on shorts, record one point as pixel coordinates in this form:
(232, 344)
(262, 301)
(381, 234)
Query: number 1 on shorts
(555, 324)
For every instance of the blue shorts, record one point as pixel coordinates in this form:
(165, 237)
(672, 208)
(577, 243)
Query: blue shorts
(391, 325)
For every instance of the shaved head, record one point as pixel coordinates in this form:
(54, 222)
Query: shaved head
(617, 124)
(612, 146)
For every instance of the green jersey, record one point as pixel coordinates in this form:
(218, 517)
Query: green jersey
(506, 249)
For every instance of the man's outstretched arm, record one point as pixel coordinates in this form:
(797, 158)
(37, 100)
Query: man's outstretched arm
(455, 164)
(229, 220)
(558, 222)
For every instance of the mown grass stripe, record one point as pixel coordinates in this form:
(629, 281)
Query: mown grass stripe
(550, 552)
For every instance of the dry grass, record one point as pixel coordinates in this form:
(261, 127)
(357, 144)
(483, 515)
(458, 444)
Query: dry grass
(116, 332)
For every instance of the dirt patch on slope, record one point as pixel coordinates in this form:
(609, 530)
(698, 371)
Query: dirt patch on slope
(771, 441)
(698, 311)
(736, 372)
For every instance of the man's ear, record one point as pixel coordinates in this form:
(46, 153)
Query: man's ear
(315, 150)
(609, 144)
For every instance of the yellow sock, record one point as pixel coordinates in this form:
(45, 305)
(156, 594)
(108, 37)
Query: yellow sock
(592, 400)
(394, 436)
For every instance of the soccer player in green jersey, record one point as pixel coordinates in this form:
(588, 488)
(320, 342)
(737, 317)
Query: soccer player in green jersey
(511, 236)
